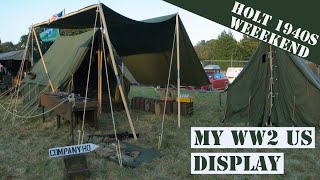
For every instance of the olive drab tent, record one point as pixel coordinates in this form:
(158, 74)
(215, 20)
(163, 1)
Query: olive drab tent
(67, 62)
(156, 52)
(275, 88)
(12, 61)
(145, 47)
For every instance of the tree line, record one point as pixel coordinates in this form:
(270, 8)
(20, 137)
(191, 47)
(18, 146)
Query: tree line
(226, 47)
(9, 46)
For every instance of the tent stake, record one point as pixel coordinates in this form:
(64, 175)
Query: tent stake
(115, 69)
(42, 59)
(178, 69)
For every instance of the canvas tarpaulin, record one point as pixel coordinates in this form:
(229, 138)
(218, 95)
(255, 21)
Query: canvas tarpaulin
(62, 59)
(296, 91)
(144, 46)
(13, 55)
(12, 60)
(67, 62)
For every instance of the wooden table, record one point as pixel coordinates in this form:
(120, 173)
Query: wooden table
(68, 110)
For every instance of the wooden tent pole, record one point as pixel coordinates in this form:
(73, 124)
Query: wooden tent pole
(99, 77)
(178, 68)
(31, 59)
(42, 59)
(271, 80)
(115, 69)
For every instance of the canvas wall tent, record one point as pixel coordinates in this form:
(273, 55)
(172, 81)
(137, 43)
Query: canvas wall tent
(144, 46)
(151, 50)
(295, 91)
(12, 61)
(67, 61)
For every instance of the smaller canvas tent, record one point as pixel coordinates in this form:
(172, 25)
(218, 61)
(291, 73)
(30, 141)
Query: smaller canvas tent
(12, 61)
(67, 62)
(292, 100)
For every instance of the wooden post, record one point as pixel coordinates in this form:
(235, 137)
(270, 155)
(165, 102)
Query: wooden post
(115, 69)
(44, 64)
(271, 80)
(178, 68)
(31, 58)
(99, 79)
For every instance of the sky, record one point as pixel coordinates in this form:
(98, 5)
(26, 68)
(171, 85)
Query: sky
(16, 16)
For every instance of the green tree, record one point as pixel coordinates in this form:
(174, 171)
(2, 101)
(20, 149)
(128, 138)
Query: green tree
(247, 46)
(225, 47)
(7, 46)
(22, 43)
(204, 49)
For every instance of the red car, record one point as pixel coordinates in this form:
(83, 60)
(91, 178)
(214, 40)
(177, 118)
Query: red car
(218, 82)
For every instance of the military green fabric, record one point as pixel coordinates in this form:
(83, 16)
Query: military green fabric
(296, 92)
(12, 61)
(67, 59)
(62, 59)
(137, 42)
(13, 55)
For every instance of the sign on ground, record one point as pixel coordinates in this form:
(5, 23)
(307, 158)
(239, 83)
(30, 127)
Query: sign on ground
(72, 150)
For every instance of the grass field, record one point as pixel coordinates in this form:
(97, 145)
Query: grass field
(24, 148)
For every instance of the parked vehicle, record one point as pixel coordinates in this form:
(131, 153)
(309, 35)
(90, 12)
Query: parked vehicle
(210, 68)
(232, 73)
(218, 81)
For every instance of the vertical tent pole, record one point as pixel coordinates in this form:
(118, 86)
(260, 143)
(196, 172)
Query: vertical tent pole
(115, 69)
(271, 80)
(178, 68)
(99, 77)
(42, 59)
(31, 59)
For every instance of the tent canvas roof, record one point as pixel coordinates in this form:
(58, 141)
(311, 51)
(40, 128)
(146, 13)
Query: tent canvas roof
(296, 91)
(62, 59)
(144, 46)
(13, 55)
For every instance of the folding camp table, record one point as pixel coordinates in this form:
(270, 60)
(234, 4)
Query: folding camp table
(67, 110)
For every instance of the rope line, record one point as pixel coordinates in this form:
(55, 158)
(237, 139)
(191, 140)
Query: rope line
(168, 82)
(28, 117)
(30, 112)
(88, 78)
(24, 108)
(111, 107)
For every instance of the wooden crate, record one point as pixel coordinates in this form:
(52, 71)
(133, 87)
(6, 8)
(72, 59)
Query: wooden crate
(159, 107)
